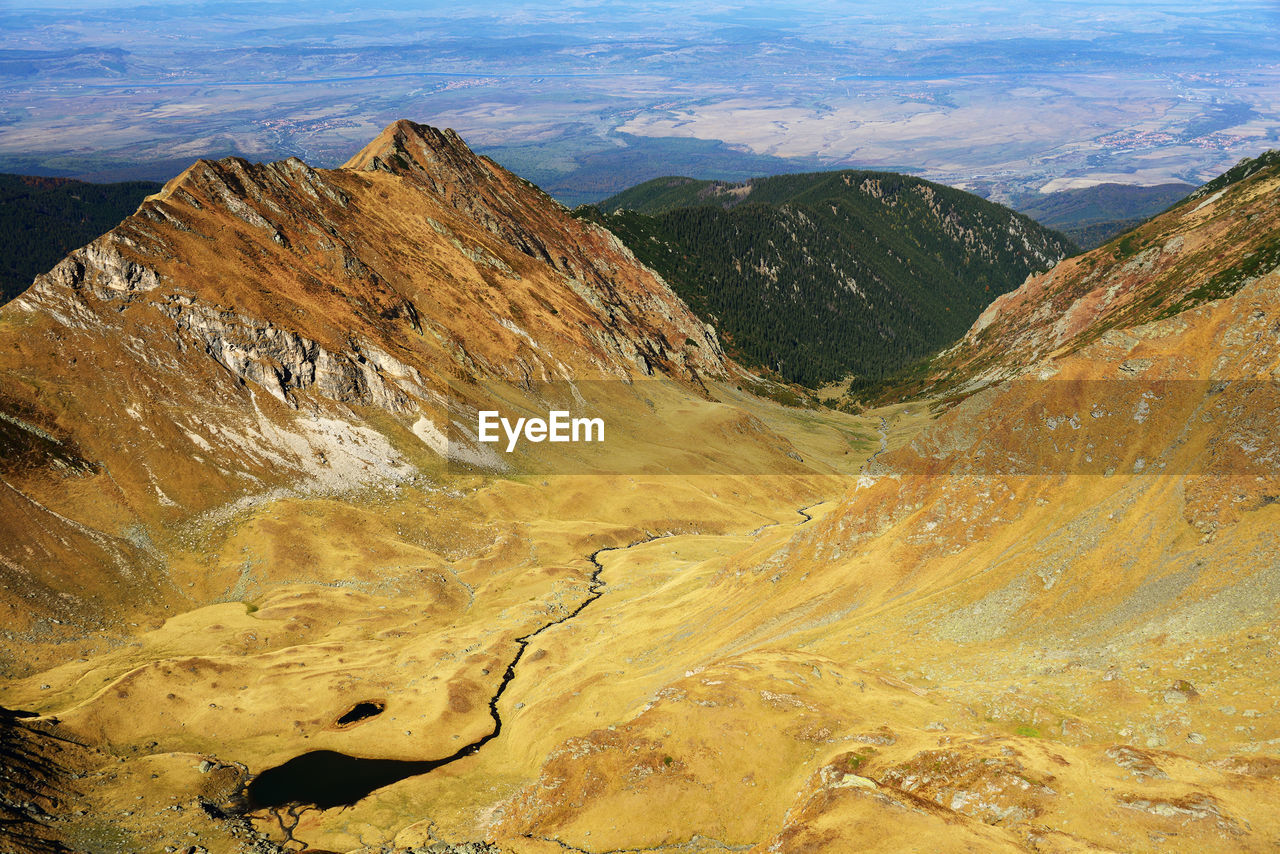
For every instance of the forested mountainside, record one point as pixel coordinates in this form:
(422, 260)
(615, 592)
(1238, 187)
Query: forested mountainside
(42, 219)
(822, 275)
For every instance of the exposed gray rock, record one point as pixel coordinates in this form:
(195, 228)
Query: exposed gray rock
(282, 361)
(99, 269)
(457, 848)
(1140, 763)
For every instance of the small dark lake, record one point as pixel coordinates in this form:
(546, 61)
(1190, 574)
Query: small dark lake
(330, 779)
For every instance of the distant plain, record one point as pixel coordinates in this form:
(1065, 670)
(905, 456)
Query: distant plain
(589, 99)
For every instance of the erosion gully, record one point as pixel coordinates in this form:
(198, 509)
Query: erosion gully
(326, 779)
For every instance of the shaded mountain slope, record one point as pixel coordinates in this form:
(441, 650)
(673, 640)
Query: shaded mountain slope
(823, 275)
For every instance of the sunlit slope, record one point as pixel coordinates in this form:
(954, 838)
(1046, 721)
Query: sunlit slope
(969, 662)
(245, 494)
(1044, 623)
(1221, 238)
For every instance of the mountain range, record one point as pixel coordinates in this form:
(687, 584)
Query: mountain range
(1091, 216)
(265, 589)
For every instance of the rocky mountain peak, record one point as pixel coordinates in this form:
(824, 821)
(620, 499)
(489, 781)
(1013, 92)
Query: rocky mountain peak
(336, 256)
(258, 315)
(410, 149)
(441, 164)
(445, 166)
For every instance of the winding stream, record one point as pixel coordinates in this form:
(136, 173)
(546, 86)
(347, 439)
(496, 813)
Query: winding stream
(326, 779)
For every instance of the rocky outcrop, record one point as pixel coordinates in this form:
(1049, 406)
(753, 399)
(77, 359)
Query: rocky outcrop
(282, 362)
(100, 271)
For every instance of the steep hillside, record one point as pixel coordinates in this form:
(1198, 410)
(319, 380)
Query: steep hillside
(1091, 216)
(42, 219)
(823, 275)
(1222, 238)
